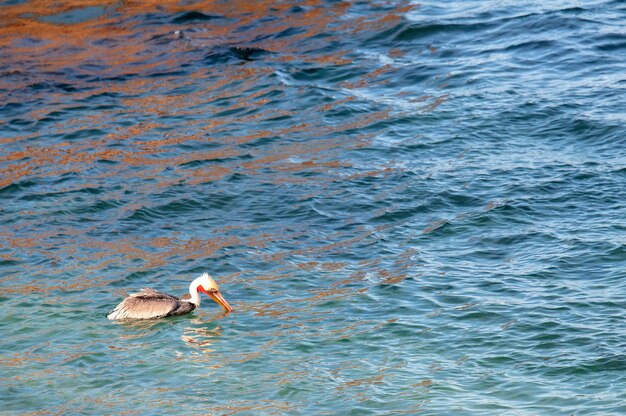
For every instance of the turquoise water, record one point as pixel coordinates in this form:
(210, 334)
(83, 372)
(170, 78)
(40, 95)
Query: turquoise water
(412, 207)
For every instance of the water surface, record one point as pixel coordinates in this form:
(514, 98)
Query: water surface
(412, 207)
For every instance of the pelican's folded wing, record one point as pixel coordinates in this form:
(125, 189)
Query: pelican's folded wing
(146, 304)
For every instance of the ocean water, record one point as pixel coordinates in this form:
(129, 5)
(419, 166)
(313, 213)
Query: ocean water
(413, 207)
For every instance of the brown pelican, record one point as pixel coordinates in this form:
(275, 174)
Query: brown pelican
(150, 304)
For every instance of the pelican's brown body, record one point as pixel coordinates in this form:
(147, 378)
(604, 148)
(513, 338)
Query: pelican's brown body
(151, 304)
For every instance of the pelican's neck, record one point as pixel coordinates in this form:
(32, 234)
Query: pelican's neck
(195, 296)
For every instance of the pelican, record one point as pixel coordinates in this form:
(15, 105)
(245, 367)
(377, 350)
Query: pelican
(150, 304)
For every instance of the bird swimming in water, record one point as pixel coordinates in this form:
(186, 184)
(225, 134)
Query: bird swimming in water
(150, 304)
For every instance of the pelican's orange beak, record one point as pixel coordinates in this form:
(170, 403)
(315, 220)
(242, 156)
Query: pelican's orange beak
(217, 297)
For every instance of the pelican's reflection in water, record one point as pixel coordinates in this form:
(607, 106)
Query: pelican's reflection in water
(142, 328)
(201, 337)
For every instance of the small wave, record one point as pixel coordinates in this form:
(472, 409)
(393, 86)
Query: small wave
(195, 16)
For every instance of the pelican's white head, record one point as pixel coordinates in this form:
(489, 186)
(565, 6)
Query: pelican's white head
(207, 285)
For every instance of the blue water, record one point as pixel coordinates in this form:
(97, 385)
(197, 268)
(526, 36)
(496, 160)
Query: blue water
(412, 207)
